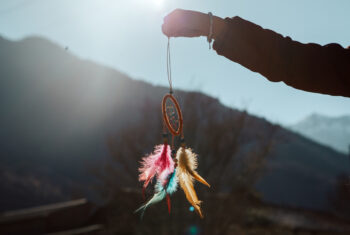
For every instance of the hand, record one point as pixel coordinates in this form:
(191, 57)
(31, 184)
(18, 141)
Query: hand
(184, 23)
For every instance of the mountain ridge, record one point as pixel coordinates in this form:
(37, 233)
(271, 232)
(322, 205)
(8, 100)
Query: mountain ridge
(330, 131)
(60, 108)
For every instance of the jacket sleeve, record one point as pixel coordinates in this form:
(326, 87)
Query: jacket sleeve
(309, 67)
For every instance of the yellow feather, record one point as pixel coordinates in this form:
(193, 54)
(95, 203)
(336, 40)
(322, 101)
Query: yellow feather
(199, 178)
(187, 164)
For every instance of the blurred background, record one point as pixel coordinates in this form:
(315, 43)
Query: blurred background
(80, 89)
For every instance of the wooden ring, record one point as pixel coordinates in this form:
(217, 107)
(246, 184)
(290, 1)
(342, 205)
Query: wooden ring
(173, 131)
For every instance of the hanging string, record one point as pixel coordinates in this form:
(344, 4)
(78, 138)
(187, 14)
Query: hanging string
(168, 68)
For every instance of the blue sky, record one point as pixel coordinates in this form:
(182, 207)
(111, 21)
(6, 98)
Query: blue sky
(126, 35)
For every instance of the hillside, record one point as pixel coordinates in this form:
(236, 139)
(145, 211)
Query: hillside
(330, 131)
(59, 110)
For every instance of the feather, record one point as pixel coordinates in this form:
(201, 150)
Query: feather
(186, 173)
(199, 178)
(157, 197)
(171, 188)
(161, 191)
(159, 164)
(171, 185)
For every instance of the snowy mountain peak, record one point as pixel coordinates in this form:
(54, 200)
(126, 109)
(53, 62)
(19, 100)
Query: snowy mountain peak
(330, 131)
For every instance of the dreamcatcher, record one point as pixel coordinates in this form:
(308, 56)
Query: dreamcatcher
(168, 166)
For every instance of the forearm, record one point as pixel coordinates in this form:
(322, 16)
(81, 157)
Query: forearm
(309, 67)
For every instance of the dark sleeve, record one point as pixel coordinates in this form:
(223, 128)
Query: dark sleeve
(309, 67)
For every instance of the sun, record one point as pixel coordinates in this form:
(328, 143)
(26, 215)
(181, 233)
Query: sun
(158, 3)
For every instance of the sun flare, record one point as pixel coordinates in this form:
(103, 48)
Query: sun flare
(158, 3)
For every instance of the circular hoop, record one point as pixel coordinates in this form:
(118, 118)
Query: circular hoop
(166, 119)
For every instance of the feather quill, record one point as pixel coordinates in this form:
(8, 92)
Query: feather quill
(159, 164)
(186, 173)
(161, 191)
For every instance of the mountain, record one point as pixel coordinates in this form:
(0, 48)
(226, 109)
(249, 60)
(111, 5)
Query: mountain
(58, 113)
(330, 131)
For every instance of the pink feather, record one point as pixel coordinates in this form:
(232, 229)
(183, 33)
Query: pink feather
(159, 164)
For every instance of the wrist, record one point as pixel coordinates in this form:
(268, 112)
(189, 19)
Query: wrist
(204, 24)
(218, 26)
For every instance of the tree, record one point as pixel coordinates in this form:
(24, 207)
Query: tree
(231, 158)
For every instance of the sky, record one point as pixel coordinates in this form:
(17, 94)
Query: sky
(126, 35)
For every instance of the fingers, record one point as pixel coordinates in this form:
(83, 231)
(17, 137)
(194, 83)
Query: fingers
(173, 23)
(184, 23)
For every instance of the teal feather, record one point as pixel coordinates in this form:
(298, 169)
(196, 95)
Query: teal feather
(161, 192)
(172, 184)
(157, 197)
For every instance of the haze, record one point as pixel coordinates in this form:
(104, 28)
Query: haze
(126, 35)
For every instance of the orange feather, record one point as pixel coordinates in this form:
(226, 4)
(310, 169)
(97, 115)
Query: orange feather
(186, 173)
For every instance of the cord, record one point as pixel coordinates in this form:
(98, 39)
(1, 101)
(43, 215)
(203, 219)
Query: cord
(168, 68)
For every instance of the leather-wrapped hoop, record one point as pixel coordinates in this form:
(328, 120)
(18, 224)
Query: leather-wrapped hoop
(172, 130)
